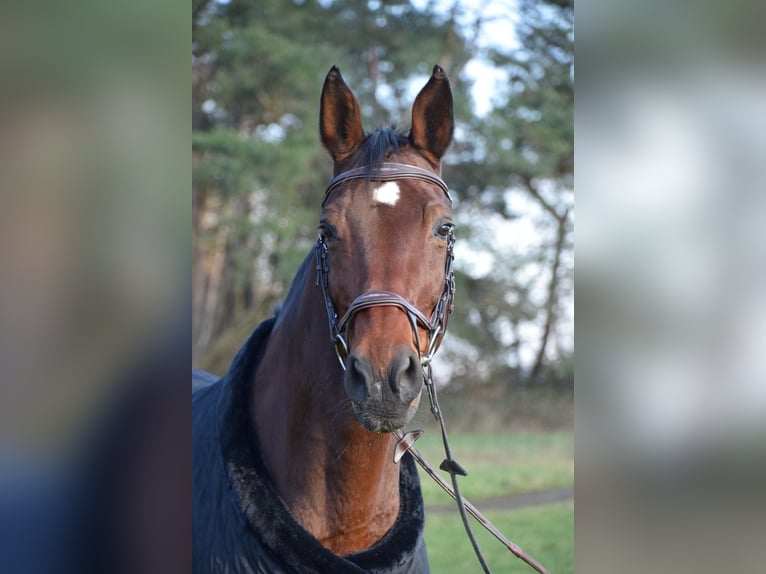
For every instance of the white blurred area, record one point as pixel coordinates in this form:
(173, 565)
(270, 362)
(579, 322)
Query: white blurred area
(670, 404)
(672, 207)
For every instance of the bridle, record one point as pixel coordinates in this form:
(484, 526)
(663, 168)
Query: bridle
(436, 325)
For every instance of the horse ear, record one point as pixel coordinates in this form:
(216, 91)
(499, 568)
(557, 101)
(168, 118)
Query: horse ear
(340, 121)
(432, 117)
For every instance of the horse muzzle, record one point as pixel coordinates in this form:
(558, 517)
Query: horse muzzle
(384, 399)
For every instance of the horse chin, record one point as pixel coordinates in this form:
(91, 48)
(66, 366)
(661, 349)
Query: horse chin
(378, 425)
(384, 421)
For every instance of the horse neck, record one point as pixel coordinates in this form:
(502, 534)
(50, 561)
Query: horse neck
(337, 479)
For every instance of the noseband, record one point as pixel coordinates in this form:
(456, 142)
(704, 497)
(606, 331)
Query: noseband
(436, 325)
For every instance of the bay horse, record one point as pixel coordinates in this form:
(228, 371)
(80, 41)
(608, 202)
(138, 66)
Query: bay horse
(293, 462)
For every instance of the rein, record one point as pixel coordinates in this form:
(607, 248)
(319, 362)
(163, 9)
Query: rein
(435, 326)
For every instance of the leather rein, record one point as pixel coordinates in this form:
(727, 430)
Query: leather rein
(435, 326)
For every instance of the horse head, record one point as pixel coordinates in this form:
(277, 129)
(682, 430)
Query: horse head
(385, 248)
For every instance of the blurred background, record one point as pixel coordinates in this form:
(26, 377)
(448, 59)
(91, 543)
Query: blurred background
(259, 172)
(94, 266)
(671, 286)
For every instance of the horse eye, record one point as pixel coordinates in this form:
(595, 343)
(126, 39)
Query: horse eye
(444, 230)
(325, 231)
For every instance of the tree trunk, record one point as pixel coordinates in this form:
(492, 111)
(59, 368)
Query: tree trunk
(550, 303)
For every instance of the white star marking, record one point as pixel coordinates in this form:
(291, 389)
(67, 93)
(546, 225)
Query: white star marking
(387, 193)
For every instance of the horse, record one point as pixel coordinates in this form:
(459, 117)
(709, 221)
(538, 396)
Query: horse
(293, 453)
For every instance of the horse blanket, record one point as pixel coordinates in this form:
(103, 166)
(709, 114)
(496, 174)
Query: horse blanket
(239, 523)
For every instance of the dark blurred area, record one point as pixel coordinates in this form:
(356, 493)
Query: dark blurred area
(94, 297)
(671, 287)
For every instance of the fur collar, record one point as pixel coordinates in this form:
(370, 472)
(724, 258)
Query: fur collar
(401, 550)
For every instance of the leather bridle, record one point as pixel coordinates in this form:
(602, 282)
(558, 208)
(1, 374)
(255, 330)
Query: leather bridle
(436, 325)
(385, 171)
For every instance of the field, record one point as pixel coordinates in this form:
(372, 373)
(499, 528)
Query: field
(501, 467)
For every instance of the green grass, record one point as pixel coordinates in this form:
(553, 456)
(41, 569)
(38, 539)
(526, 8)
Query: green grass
(545, 532)
(499, 464)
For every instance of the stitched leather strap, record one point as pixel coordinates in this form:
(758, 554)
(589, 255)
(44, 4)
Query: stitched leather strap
(385, 172)
(382, 299)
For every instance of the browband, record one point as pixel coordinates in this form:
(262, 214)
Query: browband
(385, 172)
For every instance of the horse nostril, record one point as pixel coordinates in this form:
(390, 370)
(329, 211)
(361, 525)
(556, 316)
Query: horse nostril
(358, 376)
(414, 367)
(406, 375)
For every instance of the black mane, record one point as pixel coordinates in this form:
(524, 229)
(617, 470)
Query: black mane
(380, 145)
